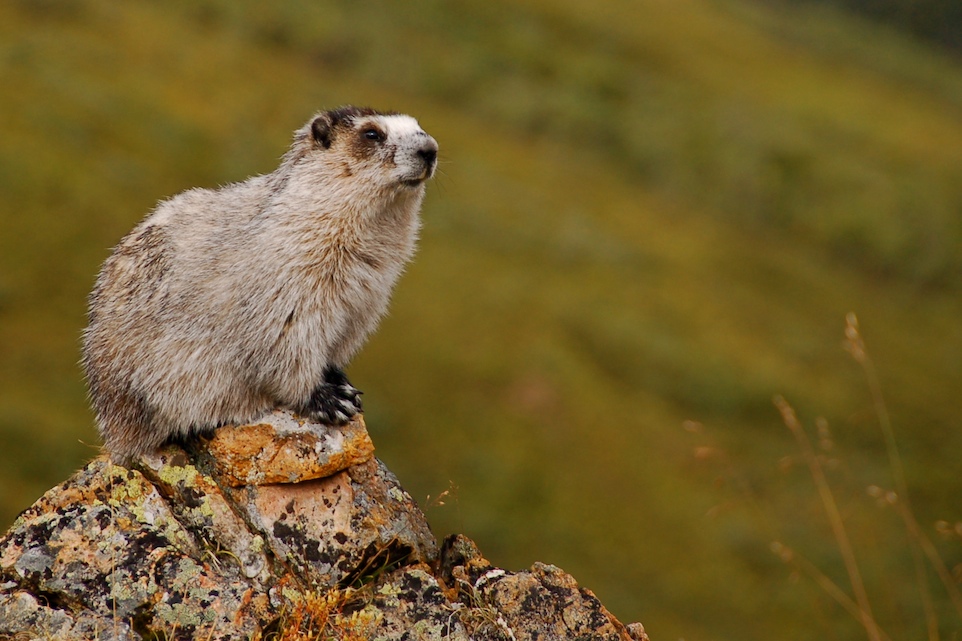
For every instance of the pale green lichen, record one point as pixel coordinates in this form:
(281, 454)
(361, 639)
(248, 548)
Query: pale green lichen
(427, 630)
(173, 474)
(127, 592)
(187, 572)
(110, 542)
(292, 595)
(390, 592)
(131, 489)
(182, 614)
(205, 508)
(130, 496)
(140, 498)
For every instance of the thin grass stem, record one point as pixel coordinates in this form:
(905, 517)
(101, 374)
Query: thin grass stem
(922, 544)
(806, 567)
(834, 517)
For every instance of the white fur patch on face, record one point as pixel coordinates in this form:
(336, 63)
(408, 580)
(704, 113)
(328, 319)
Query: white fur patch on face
(400, 126)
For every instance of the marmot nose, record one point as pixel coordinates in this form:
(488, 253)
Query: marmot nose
(429, 153)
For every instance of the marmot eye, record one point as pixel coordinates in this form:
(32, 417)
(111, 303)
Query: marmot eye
(373, 134)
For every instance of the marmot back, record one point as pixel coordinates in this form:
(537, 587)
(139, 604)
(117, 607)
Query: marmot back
(224, 304)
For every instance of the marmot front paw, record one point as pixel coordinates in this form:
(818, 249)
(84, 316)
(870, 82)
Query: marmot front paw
(335, 401)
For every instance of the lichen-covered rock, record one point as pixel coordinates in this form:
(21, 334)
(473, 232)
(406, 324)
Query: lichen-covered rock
(202, 509)
(280, 448)
(107, 544)
(413, 605)
(541, 603)
(331, 530)
(23, 617)
(266, 530)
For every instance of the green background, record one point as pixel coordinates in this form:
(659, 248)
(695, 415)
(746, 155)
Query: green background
(650, 218)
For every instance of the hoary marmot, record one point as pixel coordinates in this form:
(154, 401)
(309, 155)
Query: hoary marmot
(224, 304)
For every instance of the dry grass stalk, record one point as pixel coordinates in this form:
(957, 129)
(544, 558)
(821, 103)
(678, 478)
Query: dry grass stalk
(834, 517)
(855, 345)
(803, 566)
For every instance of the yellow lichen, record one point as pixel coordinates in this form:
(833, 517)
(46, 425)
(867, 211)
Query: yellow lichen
(173, 474)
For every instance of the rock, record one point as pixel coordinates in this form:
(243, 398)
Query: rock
(541, 603)
(270, 530)
(108, 545)
(285, 450)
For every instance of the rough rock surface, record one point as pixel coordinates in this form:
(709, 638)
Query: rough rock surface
(280, 529)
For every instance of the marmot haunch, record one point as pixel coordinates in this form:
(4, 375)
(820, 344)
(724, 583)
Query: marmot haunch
(224, 304)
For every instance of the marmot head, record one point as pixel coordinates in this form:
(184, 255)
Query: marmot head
(387, 149)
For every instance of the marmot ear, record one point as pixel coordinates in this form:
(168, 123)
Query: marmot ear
(321, 130)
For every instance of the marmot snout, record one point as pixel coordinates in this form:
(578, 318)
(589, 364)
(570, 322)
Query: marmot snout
(224, 304)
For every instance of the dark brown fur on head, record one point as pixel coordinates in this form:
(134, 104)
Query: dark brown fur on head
(325, 124)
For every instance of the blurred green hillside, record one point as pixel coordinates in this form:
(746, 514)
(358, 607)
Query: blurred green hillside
(936, 21)
(647, 213)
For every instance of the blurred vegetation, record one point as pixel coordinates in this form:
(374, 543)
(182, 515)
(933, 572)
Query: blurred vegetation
(938, 21)
(648, 213)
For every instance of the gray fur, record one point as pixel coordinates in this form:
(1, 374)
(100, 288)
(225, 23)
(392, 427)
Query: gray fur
(223, 304)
